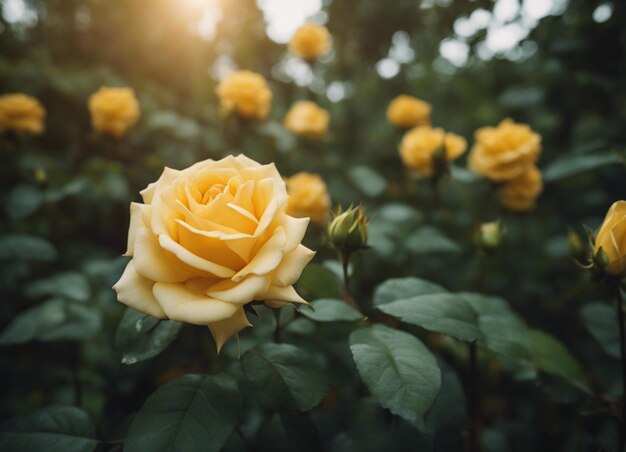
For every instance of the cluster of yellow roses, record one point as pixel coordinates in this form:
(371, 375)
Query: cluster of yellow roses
(506, 154)
(113, 111)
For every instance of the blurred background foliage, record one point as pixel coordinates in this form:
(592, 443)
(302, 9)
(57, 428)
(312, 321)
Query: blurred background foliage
(558, 65)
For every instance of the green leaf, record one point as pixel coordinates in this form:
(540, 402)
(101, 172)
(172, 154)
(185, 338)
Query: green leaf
(431, 240)
(367, 180)
(54, 320)
(285, 377)
(599, 318)
(568, 166)
(398, 369)
(401, 288)
(70, 285)
(140, 336)
(551, 356)
(195, 412)
(318, 282)
(444, 313)
(51, 429)
(23, 200)
(331, 310)
(26, 247)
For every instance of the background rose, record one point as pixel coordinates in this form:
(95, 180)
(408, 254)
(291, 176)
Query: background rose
(521, 193)
(113, 110)
(21, 113)
(310, 41)
(308, 197)
(612, 239)
(503, 152)
(308, 119)
(208, 240)
(246, 93)
(408, 111)
(419, 143)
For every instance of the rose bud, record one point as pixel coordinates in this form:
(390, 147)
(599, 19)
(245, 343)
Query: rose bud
(348, 230)
(489, 236)
(610, 243)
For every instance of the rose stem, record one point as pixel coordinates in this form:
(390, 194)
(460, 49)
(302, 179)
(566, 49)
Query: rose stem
(345, 260)
(474, 399)
(620, 322)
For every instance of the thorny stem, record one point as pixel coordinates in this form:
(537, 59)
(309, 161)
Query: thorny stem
(345, 260)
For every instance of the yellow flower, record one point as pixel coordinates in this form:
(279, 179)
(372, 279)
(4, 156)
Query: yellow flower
(210, 239)
(612, 239)
(408, 111)
(419, 144)
(308, 197)
(310, 41)
(308, 119)
(21, 113)
(503, 152)
(521, 193)
(246, 93)
(113, 110)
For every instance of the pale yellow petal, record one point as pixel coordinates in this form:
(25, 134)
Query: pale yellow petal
(225, 329)
(135, 291)
(241, 292)
(152, 262)
(292, 265)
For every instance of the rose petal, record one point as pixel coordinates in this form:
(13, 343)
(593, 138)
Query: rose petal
(139, 213)
(239, 292)
(225, 329)
(167, 176)
(152, 262)
(181, 303)
(295, 228)
(135, 291)
(288, 293)
(193, 260)
(267, 258)
(292, 265)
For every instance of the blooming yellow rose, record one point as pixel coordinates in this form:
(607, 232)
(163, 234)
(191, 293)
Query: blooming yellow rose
(113, 110)
(209, 239)
(419, 144)
(21, 113)
(612, 239)
(503, 152)
(521, 193)
(308, 119)
(310, 41)
(408, 111)
(246, 93)
(308, 197)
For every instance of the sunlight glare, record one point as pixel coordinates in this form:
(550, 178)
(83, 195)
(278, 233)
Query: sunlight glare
(284, 17)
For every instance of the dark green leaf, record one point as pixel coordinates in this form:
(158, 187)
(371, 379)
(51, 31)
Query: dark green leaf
(318, 282)
(51, 429)
(140, 336)
(23, 200)
(285, 377)
(195, 412)
(27, 247)
(599, 318)
(571, 165)
(430, 240)
(331, 310)
(54, 320)
(398, 369)
(444, 313)
(70, 285)
(367, 180)
(401, 288)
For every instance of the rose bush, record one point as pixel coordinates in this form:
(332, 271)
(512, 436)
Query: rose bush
(308, 197)
(310, 41)
(245, 93)
(113, 110)
(22, 114)
(209, 239)
(308, 119)
(408, 111)
(419, 144)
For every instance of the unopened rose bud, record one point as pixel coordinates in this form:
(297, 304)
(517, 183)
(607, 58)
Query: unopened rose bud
(609, 254)
(348, 230)
(489, 235)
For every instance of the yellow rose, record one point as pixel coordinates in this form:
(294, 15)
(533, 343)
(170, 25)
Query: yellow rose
(308, 197)
(246, 93)
(310, 41)
(209, 239)
(113, 110)
(503, 152)
(419, 144)
(308, 119)
(612, 239)
(408, 111)
(521, 193)
(21, 113)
